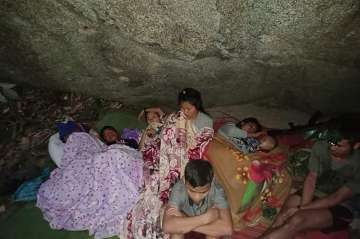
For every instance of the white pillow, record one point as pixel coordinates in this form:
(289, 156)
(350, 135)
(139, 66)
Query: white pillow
(56, 149)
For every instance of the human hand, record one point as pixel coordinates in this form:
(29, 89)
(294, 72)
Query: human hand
(171, 211)
(150, 132)
(211, 215)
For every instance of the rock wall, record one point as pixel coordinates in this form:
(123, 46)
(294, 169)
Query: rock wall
(303, 54)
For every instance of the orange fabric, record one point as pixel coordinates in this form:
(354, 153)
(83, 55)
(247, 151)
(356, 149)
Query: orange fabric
(226, 161)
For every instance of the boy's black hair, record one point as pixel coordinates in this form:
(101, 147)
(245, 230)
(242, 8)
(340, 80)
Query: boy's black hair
(193, 97)
(343, 132)
(102, 131)
(198, 173)
(250, 120)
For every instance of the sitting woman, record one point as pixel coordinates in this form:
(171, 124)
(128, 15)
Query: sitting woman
(184, 136)
(154, 118)
(150, 143)
(87, 191)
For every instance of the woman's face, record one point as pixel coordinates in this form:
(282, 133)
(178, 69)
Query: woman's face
(189, 110)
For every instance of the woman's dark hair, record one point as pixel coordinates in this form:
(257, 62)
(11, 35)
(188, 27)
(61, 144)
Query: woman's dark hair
(198, 173)
(250, 120)
(193, 97)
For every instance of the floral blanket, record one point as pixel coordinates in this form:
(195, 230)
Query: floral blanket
(166, 156)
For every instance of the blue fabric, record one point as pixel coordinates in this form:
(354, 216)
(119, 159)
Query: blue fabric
(65, 129)
(246, 145)
(28, 190)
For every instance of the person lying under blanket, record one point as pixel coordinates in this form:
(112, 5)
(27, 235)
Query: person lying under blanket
(108, 135)
(94, 186)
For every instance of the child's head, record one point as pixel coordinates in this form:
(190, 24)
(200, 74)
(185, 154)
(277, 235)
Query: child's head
(190, 102)
(250, 125)
(152, 117)
(109, 135)
(198, 177)
(267, 143)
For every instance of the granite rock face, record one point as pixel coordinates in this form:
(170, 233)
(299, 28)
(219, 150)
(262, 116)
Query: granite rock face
(303, 54)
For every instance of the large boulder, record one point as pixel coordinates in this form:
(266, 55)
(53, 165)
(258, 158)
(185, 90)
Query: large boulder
(303, 54)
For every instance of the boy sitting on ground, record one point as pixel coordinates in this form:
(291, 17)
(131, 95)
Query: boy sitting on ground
(197, 203)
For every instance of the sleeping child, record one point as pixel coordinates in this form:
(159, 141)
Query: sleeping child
(247, 136)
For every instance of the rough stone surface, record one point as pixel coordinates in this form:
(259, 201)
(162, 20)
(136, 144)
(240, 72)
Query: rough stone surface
(303, 54)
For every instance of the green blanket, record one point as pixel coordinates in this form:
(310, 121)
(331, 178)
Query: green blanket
(26, 222)
(120, 120)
